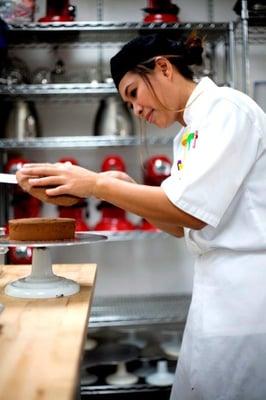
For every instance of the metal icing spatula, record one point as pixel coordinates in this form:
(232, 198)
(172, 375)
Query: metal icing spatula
(8, 178)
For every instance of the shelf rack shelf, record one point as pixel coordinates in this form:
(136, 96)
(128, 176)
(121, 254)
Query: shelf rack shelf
(144, 389)
(76, 142)
(125, 391)
(139, 310)
(256, 32)
(55, 91)
(105, 31)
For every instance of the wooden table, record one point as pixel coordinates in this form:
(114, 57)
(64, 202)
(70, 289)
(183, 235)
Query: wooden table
(41, 341)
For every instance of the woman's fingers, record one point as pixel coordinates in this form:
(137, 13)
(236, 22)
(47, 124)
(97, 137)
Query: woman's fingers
(41, 171)
(30, 165)
(57, 190)
(33, 164)
(23, 180)
(46, 181)
(44, 169)
(21, 176)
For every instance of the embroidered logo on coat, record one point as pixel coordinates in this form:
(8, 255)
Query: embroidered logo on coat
(188, 141)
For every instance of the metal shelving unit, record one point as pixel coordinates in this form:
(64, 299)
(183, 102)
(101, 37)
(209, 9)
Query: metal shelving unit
(139, 310)
(80, 142)
(250, 30)
(105, 31)
(95, 33)
(257, 35)
(55, 91)
(144, 390)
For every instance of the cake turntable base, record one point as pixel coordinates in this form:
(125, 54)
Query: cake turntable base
(42, 283)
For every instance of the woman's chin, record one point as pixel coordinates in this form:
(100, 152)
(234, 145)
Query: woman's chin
(163, 124)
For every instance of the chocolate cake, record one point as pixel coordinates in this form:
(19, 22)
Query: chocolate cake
(27, 229)
(65, 200)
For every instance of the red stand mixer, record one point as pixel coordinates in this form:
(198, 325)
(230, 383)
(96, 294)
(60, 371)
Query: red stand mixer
(24, 206)
(58, 11)
(156, 169)
(77, 211)
(113, 218)
(161, 11)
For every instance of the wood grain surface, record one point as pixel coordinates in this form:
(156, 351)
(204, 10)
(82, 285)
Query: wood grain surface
(41, 341)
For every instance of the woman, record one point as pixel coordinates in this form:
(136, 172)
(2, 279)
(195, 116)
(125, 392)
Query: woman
(215, 196)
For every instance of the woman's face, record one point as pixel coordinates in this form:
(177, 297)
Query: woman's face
(139, 96)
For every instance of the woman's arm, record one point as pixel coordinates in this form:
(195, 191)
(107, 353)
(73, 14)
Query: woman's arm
(148, 202)
(173, 230)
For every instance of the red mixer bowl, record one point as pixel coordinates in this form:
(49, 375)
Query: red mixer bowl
(160, 18)
(145, 225)
(114, 224)
(113, 219)
(57, 18)
(58, 11)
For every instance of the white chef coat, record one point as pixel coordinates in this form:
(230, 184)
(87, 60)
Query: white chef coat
(219, 176)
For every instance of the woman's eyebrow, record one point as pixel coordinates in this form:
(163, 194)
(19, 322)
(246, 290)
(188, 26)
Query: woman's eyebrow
(126, 90)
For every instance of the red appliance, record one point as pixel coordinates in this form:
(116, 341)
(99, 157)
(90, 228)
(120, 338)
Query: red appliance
(113, 218)
(161, 11)
(77, 211)
(24, 206)
(58, 11)
(156, 169)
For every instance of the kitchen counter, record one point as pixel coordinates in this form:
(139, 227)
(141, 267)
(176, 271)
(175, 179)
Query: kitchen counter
(41, 340)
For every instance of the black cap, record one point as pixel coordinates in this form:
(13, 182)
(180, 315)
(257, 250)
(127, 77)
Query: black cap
(141, 49)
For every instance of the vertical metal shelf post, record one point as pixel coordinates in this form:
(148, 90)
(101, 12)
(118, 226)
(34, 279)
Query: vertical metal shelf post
(232, 55)
(245, 48)
(100, 47)
(226, 73)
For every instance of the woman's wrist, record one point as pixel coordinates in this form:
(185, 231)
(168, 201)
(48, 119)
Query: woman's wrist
(97, 184)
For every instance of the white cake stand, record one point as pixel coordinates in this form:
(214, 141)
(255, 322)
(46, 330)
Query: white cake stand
(42, 283)
(162, 377)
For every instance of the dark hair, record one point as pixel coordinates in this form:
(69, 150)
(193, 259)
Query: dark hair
(141, 51)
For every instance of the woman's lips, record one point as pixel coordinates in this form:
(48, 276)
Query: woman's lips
(149, 117)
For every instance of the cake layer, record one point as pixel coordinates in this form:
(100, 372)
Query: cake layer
(64, 200)
(26, 229)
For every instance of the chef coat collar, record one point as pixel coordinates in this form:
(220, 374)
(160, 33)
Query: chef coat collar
(205, 84)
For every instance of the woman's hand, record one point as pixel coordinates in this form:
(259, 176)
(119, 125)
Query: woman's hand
(61, 178)
(23, 180)
(118, 175)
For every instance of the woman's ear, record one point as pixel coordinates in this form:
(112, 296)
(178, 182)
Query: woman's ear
(164, 66)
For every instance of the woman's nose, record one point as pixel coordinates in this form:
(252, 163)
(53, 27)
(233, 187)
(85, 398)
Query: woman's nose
(138, 110)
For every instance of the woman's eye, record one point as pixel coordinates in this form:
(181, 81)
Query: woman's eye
(133, 93)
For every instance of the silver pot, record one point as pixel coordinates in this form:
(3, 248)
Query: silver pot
(113, 118)
(22, 121)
